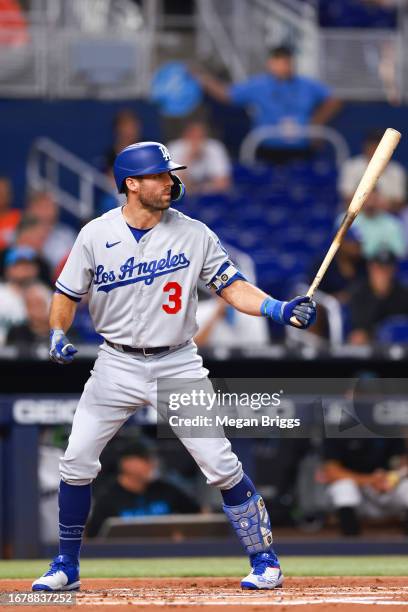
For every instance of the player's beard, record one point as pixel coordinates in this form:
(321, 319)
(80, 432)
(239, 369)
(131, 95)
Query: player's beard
(154, 201)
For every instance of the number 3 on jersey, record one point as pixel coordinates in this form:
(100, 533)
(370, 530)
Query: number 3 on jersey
(174, 297)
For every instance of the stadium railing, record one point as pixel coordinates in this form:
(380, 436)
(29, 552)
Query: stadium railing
(45, 164)
(92, 49)
(258, 135)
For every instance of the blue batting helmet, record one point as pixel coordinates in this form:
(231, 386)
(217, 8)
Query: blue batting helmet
(140, 159)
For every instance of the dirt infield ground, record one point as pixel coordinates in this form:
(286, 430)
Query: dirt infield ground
(320, 594)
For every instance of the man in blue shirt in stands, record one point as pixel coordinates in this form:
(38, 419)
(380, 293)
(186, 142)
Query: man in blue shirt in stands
(279, 98)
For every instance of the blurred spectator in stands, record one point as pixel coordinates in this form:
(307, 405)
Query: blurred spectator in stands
(347, 267)
(378, 297)
(127, 130)
(138, 490)
(9, 217)
(207, 160)
(60, 236)
(31, 233)
(366, 476)
(20, 271)
(390, 192)
(220, 325)
(281, 99)
(378, 230)
(13, 24)
(35, 330)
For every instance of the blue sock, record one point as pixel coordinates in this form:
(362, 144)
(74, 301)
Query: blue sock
(240, 493)
(74, 507)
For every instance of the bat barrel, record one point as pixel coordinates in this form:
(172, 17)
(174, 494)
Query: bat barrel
(375, 168)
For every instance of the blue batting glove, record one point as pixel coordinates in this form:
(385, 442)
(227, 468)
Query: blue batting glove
(301, 307)
(61, 351)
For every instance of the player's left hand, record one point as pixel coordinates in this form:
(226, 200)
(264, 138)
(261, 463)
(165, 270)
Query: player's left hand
(61, 350)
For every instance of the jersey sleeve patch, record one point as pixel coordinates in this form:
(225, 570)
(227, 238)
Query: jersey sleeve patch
(226, 275)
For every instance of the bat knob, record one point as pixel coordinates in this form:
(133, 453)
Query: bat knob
(295, 322)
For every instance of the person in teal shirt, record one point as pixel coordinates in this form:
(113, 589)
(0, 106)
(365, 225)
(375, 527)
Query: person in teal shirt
(377, 230)
(280, 98)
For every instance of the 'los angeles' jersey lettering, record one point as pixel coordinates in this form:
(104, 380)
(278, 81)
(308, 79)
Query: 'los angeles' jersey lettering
(134, 272)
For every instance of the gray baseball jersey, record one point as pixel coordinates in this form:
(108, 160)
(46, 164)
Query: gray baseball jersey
(143, 294)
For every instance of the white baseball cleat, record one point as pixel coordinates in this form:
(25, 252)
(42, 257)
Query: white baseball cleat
(263, 575)
(63, 575)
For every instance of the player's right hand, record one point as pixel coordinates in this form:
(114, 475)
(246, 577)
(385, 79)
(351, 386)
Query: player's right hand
(61, 350)
(301, 307)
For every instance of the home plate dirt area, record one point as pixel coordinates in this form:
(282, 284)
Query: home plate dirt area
(314, 594)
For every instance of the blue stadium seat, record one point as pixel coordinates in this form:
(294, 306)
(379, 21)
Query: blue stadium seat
(403, 271)
(276, 218)
(393, 330)
(210, 216)
(356, 14)
(253, 210)
(251, 175)
(281, 215)
(213, 200)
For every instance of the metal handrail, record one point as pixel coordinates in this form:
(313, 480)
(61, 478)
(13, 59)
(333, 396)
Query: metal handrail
(216, 31)
(258, 135)
(295, 22)
(292, 12)
(46, 157)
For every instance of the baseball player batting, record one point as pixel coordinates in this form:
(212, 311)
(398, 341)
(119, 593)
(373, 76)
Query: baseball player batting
(140, 264)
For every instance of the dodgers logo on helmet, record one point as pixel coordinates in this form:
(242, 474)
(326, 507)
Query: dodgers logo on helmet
(165, 152)
(140, 159)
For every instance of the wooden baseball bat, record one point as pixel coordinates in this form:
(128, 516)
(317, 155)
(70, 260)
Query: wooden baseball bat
(375, 168)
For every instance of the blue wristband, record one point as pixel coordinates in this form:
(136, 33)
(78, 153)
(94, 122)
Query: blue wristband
(273, 309)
